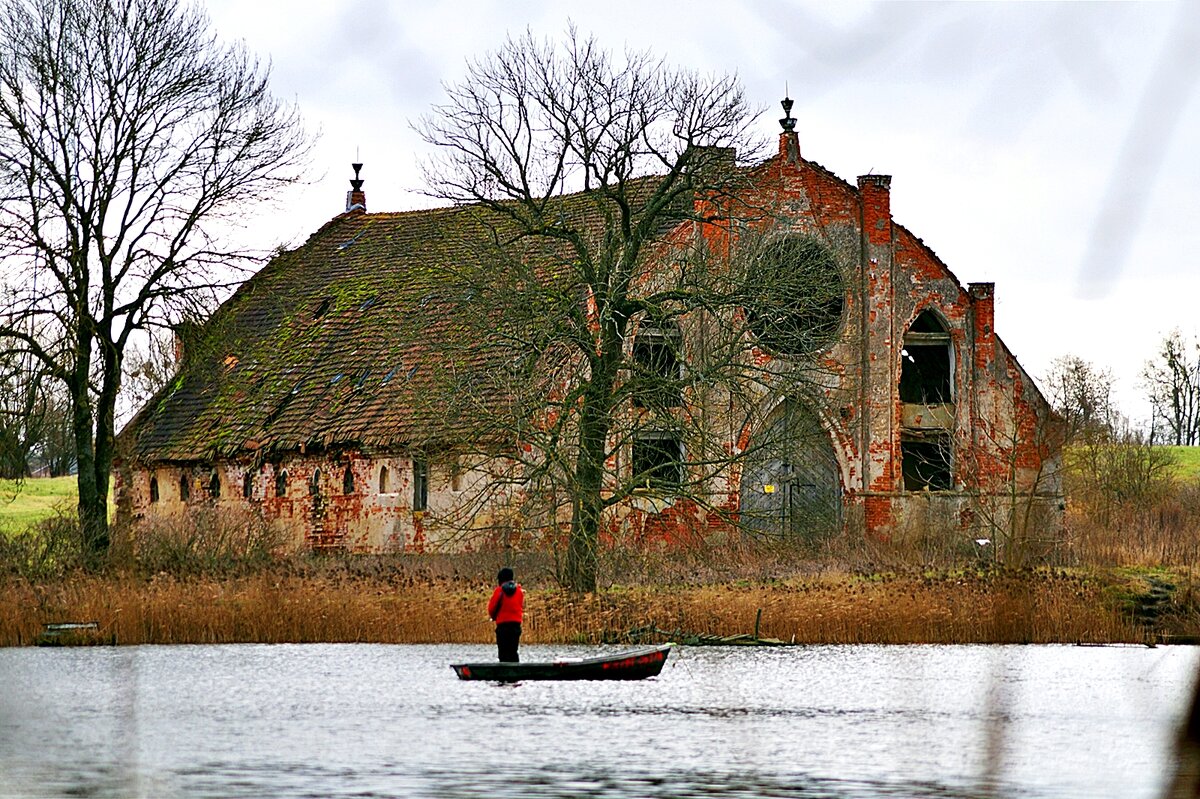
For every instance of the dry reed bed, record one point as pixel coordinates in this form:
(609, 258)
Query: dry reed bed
(1034, 607)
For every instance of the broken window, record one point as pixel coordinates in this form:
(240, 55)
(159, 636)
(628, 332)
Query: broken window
(384, 480)
(348, 480)
(420, 483)
(925, 461)
(281, 480)
(925, 362)
(801, 296)
(154, 489)
(248, 484)
(656, 368)
(658, 461)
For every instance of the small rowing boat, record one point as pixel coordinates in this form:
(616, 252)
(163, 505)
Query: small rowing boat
(635, 664)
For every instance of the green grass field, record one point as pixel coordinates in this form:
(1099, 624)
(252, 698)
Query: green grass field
(27, 503)
(1187, 461)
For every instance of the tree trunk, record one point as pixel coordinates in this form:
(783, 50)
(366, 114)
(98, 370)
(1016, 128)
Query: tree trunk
(92, 478)
(595, 418)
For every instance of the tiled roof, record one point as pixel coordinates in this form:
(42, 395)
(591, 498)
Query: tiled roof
(322, 347)
(333, 344)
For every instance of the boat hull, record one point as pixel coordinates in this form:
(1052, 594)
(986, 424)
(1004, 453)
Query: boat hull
(636, 664)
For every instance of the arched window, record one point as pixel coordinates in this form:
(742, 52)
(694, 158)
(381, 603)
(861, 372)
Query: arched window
(153, 488)
(185, 486)
(927, 396)
(420, 483)
(348, 480)
(248, 484)
(314, 485)
(925, 365)
(281, 480)
(214, 483)
(384, 480)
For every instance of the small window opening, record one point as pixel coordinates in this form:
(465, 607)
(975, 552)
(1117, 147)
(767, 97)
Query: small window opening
(214, 484)
(281, 481)
(185, 487)
(657, 369)
(925, 368)
(385, 486)
(322, 309)
(314, 485)
(456, 475)
(925, 463)
(420, 484)
(248, 484)
(658, 461)
(154, 489)
(348, 480)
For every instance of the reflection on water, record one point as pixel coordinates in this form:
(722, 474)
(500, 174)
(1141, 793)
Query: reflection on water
(375, 721)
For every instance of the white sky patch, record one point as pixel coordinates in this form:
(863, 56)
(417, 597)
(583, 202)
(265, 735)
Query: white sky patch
(1003, 126)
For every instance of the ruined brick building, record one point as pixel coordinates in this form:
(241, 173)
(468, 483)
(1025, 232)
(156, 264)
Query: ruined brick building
(298, 397)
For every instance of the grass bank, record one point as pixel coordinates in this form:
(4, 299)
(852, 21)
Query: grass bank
(25, 503)
(1028, 606)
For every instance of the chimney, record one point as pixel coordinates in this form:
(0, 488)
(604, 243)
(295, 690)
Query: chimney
(789, 141)
(356, 198)
(983, 304)
(875, 192)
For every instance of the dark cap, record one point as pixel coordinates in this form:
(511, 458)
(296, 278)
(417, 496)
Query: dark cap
(505, 575)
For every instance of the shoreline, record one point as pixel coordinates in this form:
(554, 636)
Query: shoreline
(988, 607)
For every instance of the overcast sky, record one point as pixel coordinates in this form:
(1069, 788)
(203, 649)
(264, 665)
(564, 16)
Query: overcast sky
(1051, 148)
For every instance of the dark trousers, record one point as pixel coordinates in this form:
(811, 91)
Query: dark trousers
(508, 638)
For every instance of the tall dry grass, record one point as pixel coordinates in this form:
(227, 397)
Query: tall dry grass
(1032, 607)
(220, 578)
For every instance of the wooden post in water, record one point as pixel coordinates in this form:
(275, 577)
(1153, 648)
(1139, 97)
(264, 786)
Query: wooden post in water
(757, 620)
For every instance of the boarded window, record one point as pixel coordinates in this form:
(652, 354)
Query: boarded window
(658, 461)
(281, 481)
(154, 489)
(348, 481)
(925, 362)
(385, 486)
(925, 462)
(420, 484)
(656, 369)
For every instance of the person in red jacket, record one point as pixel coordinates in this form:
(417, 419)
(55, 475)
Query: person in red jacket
(507, 608)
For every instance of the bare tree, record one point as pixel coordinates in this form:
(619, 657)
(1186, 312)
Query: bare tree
(128, 136)
(620, 346)
(1081, 393)
(149, 367)
(23, 411)
(1172, 382)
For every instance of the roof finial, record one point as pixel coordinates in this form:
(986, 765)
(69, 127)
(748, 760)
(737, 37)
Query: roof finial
(356, 200)
(788, 123)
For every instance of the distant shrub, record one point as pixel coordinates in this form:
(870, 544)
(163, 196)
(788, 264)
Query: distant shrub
(46, 549)
(203, 541)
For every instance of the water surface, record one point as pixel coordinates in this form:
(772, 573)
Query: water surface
(375, 720)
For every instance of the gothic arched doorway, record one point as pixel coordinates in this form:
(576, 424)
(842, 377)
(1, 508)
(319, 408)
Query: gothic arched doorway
(791, 485)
